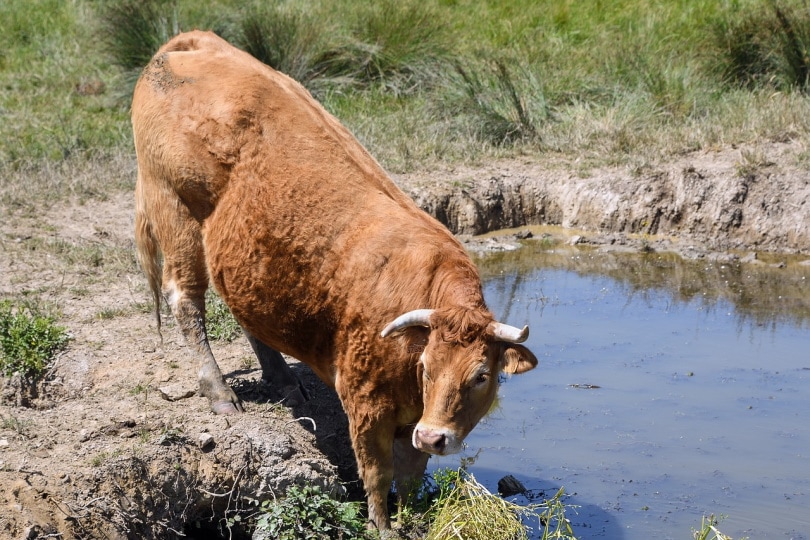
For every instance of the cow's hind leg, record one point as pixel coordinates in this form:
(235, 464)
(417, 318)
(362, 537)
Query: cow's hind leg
(275, 371)
(183, 284)
(188, 307)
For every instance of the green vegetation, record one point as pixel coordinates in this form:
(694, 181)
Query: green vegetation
(709, 531)
(442, 80)
(466, 509)
(219, 323)
(28, 340)
(306, 513)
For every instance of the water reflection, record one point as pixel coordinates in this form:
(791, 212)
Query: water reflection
(762, 294)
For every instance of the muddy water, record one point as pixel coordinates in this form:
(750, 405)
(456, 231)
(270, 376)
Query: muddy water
(667, 389)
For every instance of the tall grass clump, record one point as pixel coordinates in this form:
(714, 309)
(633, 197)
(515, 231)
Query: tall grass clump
(29, 340)
(504, 106)
(400, 44)
(135, 29)
(766, 44)
(286, 38)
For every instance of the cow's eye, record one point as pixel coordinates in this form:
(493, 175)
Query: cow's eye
(481, 379)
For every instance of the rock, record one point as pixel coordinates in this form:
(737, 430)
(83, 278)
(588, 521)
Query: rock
(509, 485)
(205, 441)
(175, 392)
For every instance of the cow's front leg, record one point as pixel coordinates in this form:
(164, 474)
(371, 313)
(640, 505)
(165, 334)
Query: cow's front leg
(275, 371)
(409, 471)
(189, 310)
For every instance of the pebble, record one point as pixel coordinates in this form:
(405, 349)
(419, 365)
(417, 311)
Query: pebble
(205, 441)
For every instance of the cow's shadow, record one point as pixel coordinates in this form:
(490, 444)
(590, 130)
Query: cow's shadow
(322, 415)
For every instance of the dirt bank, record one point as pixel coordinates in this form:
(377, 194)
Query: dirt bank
(750, 199)
(96, 450)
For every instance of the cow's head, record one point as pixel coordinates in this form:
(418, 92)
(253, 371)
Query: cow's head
(464, 351)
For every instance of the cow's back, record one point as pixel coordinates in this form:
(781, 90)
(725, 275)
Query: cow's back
(303, 230)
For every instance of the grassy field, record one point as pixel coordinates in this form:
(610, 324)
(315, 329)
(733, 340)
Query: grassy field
(626, 81)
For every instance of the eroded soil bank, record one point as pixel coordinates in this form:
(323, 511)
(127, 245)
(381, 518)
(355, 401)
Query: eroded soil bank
(98, 449)
(742, 199)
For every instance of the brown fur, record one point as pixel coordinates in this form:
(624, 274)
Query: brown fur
(245, 180)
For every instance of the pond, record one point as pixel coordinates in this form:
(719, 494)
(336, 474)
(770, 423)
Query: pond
(667, 390)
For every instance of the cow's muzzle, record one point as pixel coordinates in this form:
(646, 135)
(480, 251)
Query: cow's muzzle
(440, 442)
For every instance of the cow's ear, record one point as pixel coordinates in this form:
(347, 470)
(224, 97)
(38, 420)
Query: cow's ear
(517, 359)
(414, 339)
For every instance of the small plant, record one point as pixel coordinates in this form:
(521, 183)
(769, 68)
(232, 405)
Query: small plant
(709, 531)
(219, 322)
(171, 436)
(309, 514)
(28, 340)
(13, 423)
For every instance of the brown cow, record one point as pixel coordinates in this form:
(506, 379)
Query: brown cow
(246, 181)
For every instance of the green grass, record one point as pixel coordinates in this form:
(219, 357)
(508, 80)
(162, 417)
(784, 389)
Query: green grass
(309, 513)
(29, 340)
(435, 81)
(219, 323)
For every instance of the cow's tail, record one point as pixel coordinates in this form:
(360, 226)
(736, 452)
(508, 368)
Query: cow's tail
(148, 250)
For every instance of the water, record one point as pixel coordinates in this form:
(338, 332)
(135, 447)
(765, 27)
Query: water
(703, 398)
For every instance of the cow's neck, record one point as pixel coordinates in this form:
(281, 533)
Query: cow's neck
(456, 283)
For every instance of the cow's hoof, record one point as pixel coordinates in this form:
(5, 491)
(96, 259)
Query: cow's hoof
(225, 407)
(293, 397)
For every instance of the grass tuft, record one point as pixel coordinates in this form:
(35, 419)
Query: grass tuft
(135, 29)
(219, 323)
(503, 108)
(766, 44)
(286, 39)
(28, 340)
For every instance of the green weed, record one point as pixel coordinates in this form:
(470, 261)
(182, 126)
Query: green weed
(308, 513)
(219, 323)
(13, 423)
(28, 340)
(709, 531)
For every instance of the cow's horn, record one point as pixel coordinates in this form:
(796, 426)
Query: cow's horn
(509, 334)
(417, 317)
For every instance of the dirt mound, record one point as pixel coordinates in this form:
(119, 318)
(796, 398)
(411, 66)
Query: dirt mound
(97, 450)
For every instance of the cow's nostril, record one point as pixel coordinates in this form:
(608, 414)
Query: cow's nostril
(440, 443)
(430, 440)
